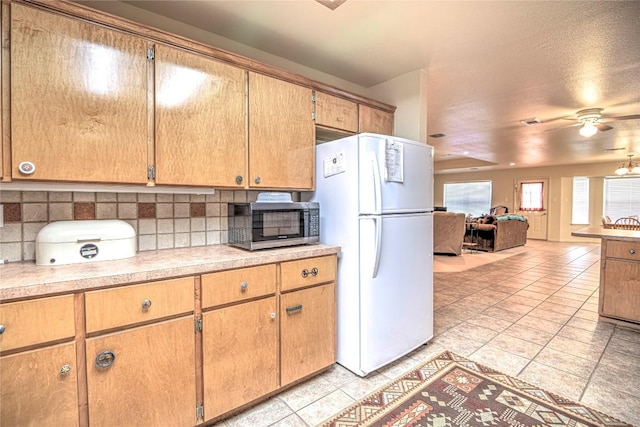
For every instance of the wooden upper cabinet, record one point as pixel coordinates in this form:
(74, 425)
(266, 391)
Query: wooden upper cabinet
(200, 112)
(337, 113)
(374, 120)
(78, 100)
(281, 134)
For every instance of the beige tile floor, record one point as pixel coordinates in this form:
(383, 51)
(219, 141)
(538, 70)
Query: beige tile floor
(533, 315)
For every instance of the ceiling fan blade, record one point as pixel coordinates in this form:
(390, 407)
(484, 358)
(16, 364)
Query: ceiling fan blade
(620, 118)
(602, 127)
(563, 127)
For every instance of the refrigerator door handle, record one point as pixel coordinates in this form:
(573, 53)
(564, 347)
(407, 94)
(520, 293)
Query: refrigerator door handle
(377, 184)
(378, 246)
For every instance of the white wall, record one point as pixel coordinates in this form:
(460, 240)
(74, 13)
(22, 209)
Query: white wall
(409, 94)
(560, 192)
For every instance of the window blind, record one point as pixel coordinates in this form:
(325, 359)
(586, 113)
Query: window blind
(468, 197)
(621, 197)
(580, 206)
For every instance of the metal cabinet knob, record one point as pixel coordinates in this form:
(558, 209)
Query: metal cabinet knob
(238, 179)
(1, 329)
(314, 271)
(632, 251)
(272, 316)
(26, 168)
(305, 273)
(257, 180)
(146, 304)
(244, 286)
(105, 359)
(65, 370)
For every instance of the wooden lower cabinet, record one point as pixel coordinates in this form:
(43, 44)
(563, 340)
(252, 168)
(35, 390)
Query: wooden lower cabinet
(151, 379)
(39, 387)
(620, 292)
(240, 354)
(307, 332)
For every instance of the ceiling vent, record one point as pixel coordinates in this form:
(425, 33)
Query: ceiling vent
(530, 122)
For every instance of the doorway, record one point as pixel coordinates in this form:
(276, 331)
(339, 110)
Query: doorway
(532, 199)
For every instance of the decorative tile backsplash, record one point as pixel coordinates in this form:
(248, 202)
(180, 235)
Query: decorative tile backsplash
(161, 221)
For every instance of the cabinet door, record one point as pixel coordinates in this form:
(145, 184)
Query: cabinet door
(621, 290)
(39, 387)
(78, 100)
(375, 121)
(307, 332)
(239, 355)
(336, 112)
(150, 380)
(200, 120)
(281, 134)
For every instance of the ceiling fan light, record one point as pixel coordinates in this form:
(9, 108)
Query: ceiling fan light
(589, 129)
(636, 170)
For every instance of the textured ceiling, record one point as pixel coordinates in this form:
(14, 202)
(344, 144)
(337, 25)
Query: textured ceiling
(490, 65)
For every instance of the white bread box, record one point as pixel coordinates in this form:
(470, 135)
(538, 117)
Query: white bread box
(71, 242)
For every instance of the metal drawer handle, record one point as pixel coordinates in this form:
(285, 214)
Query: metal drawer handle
(65, 370)
(305, 273)
(632, 251)
(146, 304)
(105, 359)
(314, 271)
(238, 179)
(294, 309)
(243, 286)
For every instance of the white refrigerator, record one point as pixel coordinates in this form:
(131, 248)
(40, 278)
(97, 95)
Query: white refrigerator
(376, 202)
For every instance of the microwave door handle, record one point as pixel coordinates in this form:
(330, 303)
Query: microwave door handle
(377, 246)
(377, 189)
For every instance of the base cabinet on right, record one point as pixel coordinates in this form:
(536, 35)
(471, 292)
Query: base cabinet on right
(307, 332)
(620, 280)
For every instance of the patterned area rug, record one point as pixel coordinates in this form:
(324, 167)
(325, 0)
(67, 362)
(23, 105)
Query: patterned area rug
(450, 390)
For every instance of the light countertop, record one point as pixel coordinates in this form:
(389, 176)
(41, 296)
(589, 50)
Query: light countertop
(26, 279)
(607, 233)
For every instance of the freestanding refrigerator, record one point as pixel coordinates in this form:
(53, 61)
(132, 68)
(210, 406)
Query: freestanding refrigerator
(376, 202)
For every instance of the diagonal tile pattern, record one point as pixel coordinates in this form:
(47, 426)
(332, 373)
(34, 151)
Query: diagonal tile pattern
(533, 315)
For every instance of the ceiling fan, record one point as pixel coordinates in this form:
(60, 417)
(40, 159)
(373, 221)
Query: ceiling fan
(592, 121)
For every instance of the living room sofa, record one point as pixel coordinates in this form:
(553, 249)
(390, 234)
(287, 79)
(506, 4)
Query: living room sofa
(494, 233)
(448, 232)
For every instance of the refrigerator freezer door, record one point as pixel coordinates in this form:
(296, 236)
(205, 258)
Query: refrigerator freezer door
(396, 301)
(395, 175)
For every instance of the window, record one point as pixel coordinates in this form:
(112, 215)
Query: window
(580, 207)
(468, 197)
(621, 197)
(531, 196)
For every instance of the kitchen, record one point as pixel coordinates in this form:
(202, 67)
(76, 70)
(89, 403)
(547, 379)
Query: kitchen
(195, 228)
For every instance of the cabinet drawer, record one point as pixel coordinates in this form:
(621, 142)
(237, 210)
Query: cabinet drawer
(310, 271)
(111, 308)
(36, 321)
(336, 112)
(624, 250)
(229, 286)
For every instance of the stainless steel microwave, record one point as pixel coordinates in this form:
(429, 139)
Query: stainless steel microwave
(261, 225)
